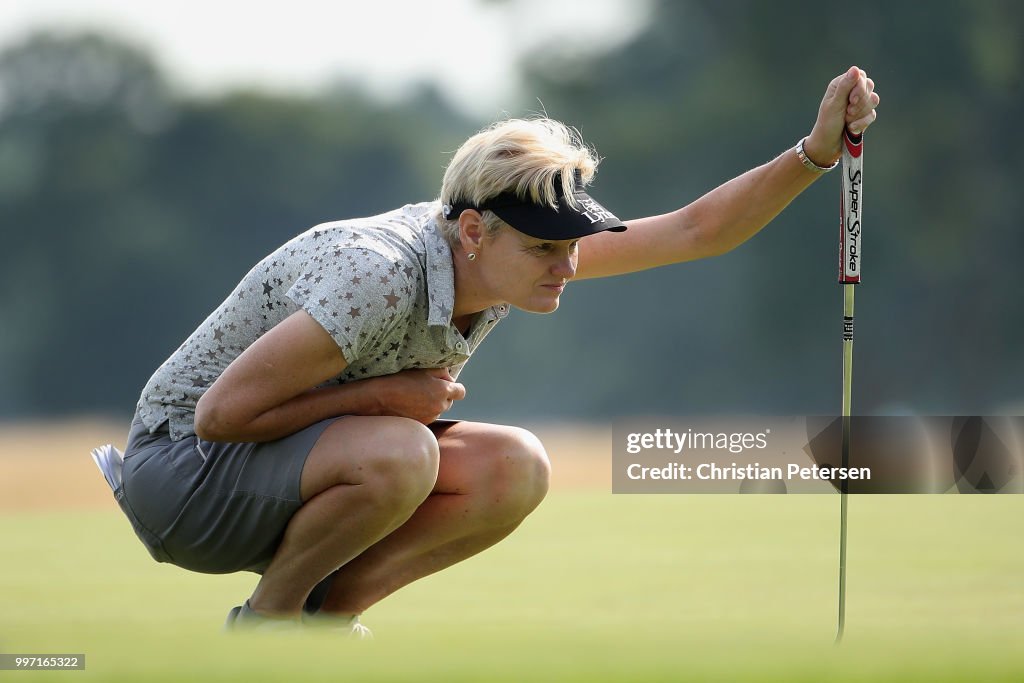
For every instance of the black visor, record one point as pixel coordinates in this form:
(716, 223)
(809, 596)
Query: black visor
(543, 221)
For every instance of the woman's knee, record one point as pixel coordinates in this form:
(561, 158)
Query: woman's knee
(517, 476)
(395, 459)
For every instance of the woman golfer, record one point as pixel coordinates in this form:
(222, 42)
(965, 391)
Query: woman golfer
(295, 433)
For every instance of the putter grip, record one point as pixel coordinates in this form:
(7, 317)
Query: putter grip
(850, 248)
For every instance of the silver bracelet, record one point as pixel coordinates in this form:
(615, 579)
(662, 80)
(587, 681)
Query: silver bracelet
(808, 164)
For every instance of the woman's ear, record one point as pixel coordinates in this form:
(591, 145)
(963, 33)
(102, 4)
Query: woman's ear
(471, 230)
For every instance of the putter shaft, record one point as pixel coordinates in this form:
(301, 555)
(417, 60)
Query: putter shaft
(843, 486)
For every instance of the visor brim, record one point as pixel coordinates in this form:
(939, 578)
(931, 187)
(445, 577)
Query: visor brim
(565, 223)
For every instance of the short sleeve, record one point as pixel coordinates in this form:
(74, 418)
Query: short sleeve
(358, 295)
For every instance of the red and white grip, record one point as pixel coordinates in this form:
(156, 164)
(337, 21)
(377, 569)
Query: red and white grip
(852, 204)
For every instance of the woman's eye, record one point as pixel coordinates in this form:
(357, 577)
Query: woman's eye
(550, 247)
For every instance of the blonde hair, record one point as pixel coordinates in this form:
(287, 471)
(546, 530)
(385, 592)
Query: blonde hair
(523, 156)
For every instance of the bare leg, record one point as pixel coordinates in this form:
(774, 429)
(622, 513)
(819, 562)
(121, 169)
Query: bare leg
(490, 478)
(364, 478)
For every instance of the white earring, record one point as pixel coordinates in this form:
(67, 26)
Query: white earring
(471, 256)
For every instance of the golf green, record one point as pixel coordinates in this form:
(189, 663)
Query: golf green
(593, 587)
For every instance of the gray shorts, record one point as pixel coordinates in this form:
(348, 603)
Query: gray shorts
(213, 507)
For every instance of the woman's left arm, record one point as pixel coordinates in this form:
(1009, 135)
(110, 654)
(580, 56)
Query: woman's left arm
(734, 212)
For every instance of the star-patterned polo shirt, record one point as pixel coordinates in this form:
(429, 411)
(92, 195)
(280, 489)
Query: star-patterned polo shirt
(383, 287)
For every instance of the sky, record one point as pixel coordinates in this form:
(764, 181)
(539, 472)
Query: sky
(468, 47)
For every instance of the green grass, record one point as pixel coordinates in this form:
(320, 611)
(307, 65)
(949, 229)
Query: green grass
(593, 587)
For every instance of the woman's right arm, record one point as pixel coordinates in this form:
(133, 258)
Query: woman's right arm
(269, 392)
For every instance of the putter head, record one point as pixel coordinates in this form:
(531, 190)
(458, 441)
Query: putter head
(111, 462)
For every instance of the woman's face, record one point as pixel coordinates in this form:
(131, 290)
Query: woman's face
(524, 271)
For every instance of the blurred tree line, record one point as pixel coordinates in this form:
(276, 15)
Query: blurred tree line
(128, 211)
